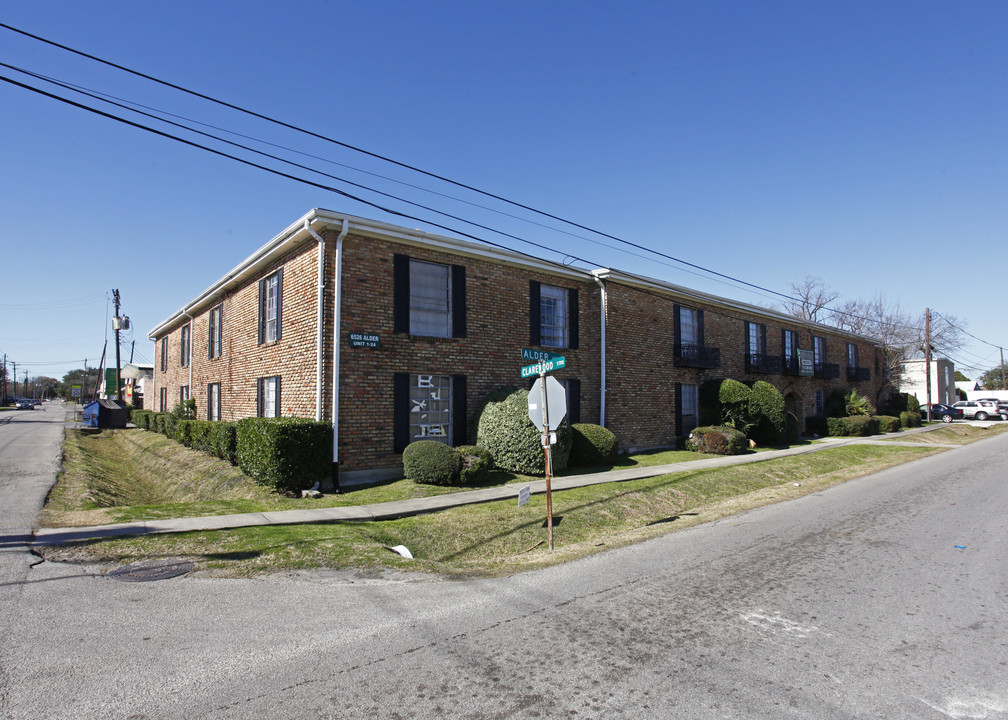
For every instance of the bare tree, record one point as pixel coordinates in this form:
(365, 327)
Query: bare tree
(811, 299)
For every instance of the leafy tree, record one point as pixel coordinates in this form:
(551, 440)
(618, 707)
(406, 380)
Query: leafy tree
(959, 377)
(994, 379)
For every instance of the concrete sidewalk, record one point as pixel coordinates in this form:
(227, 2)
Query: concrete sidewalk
(418, 506)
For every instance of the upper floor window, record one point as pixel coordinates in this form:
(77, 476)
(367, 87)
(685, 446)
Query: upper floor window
(164, 354)
(270, 307)
(789, 344)
(852, 355)
(689, 327)
(185, 345)
(429, 298)
(819, 349)
(553, 316)
(756, 338)
(216, 332)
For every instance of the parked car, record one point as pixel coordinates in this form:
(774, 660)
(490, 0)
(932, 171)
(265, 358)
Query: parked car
(945, 413)
(978, 409)
(1002, 406)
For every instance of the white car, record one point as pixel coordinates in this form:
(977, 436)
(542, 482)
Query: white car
(978, 409)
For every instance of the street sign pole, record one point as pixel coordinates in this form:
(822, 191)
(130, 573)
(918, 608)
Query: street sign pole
(549, 458)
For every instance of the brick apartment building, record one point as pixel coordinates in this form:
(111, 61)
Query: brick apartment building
(428, 326)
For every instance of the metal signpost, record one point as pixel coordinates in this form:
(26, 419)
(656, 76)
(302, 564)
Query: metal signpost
(547, 414)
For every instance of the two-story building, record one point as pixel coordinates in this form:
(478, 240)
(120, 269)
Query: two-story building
(395, 334)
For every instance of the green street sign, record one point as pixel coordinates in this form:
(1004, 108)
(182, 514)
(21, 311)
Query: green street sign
(537, 355)
(364, 340)
(806, 363)
(555, 363)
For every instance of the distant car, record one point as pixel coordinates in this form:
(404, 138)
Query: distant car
(978, 409)
(945, 413)
(24, 404)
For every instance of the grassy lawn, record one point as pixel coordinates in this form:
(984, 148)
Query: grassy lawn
(122, 475)
(951, 434)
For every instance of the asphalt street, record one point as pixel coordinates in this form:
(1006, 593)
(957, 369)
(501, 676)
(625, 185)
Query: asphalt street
(884, 597)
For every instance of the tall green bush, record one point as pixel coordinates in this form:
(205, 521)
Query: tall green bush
(431, 462)
(504, 429)
(769, 414)
(286, 453)
(592, 446)
(736, 405)
(223, 441)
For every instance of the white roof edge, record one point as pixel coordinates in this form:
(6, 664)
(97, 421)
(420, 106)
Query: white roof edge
(295, 232)
(700, 296)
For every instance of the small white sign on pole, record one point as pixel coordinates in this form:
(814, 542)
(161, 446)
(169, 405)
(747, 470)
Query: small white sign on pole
(524, 494)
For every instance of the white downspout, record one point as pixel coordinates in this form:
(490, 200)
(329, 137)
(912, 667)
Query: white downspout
(337, 302)
(602, 391)
(320, 321)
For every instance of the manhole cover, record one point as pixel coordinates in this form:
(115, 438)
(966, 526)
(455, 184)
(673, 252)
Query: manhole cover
(151, 570)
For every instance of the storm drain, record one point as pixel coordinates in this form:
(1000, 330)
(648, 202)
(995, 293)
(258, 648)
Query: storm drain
(151, 570)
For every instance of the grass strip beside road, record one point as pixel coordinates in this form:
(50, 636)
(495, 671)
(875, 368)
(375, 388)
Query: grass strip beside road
(489, 539)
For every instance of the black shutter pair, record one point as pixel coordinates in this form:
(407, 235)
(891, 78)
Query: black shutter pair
(535, 315)
(401, 296)
(401, 411)
(260, 400)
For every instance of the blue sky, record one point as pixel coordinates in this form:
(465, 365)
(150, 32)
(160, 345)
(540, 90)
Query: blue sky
(861, 143)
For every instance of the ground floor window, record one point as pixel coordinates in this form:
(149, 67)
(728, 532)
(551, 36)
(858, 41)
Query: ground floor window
(164, 400)
(820, 403)
(430, 408)
(213, 401)
(689, 404)
(268, 397)
(183, 394)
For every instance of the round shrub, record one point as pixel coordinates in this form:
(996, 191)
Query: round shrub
(515, 443)
(888, 423)
(477, 463)
(853, 426)
(432, 463)
(912, 403)
(769, 414)
(592, 446)
(910, 419)
(718, 441)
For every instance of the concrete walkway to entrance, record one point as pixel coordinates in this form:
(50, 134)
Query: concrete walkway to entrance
(418, 506)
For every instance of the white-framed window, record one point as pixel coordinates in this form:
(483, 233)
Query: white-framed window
(790, 345)
(553, 316)
(756, 336)
(164, 354)
(430, 301)
(690, 405)
(270, 307)
(213, 401)
(269, 397)
(183, 393)
(852, 355)
(185, 345)
(430, 417)
(688, 326)
(216, 331)
(163, 400)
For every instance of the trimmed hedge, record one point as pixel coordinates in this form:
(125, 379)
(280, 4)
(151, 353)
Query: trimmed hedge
(910, 419)
(183, 431)
(769, 416)
(514, 442)
(287, 453)
(888, 423)
(853, 426)
(199, 436)
(224, 441)
(141, 418)
(432, 463)
(718, 441)
(816, 425)
(592, 446)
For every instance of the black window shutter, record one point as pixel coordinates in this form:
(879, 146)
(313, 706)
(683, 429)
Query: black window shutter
(678, 408)
(675, 321)
(259, 398)
(400, 294)
(535, 313)
(458, 281)
(762, 339)
(276, 399)
(748, 338)
(262, 308)
(209, 391)
(700, 328)
(400, 412)
(573, 401)
(279, 305)
(209, 345)
(460, 419)
(572, 319)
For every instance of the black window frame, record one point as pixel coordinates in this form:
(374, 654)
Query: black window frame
(215, 341)
(211, 405)
(535, 316)
(401, 296)
(185, 345)
(263, 301)
(260, 400)
(401, 410)
(164, 354)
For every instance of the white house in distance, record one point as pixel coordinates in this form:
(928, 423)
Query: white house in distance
(943, 389)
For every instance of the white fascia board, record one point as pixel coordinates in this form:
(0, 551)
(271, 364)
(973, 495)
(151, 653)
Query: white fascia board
(321, 219)
(672, 289)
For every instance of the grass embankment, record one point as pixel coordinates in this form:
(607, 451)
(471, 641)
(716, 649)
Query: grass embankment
(124, 475)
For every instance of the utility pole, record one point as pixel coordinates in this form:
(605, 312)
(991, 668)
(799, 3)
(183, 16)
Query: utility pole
(1004, 385)
(116, 324)
(4, 398)
(15, 377)
(927, 357)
